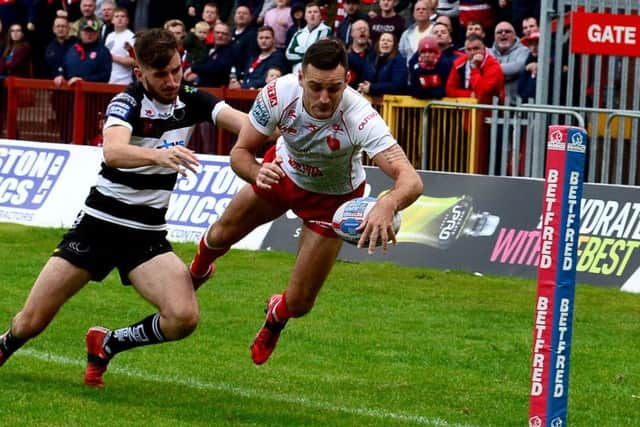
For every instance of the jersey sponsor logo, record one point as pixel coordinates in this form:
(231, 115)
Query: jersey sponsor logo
(126, 98)
(260, 112)
(119, 109)
(271, 93)
(305, 169)
(28, 175)
(367, 119)
(168, 144)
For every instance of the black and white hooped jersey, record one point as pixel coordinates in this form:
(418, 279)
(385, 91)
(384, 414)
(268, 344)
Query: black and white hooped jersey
(139, 197)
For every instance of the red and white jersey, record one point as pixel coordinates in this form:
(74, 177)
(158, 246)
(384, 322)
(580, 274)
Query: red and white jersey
(323, 156)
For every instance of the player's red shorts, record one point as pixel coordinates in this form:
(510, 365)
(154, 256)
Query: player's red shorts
(315, 209)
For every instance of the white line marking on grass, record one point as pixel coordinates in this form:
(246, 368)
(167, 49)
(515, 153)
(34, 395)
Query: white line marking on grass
(248, 392)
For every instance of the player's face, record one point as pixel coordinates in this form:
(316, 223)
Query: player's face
(322, 90)
(163, 84)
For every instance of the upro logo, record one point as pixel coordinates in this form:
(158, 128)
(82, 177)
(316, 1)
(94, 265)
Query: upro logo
(27, 175)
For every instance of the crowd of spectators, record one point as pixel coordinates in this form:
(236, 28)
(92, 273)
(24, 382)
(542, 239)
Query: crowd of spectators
(425, 48)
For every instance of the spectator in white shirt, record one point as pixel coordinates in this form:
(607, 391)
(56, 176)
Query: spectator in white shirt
(120, 44)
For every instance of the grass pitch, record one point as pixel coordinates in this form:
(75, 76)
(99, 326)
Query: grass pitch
(384, 346)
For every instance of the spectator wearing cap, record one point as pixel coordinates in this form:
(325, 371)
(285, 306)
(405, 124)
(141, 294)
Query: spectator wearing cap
(352, 14)
(422, 12)
(528, 77)
(429, 70)
(511, 54)
(88, 11)
(88, 59)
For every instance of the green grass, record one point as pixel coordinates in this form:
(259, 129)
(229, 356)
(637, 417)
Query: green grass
(384, 346)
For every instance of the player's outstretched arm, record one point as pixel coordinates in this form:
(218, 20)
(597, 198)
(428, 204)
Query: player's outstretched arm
(231, 119)
(243, 158)
(118, 153)
(406, 189)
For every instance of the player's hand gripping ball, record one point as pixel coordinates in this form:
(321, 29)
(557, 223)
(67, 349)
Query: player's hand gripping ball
(351, 214)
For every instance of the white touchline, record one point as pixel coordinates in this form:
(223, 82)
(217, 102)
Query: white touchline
(246, 392)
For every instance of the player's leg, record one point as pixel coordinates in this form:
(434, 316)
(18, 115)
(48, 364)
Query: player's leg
(164, 282)
(316, 256)
(58, 281)
(245, 212)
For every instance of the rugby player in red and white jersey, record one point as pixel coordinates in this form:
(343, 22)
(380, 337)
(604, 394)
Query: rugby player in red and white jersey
(314, 167)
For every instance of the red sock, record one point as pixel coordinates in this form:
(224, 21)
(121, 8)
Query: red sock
(205, 257)
(281, 311)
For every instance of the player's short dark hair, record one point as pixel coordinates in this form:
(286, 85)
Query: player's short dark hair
(155, 48)
(326, 54)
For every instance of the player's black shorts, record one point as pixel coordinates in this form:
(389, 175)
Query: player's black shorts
(100, 246)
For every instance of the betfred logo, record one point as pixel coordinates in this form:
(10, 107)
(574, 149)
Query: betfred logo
(27, 175)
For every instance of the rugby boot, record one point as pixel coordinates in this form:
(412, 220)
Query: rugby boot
(267, 338)
(97, 359)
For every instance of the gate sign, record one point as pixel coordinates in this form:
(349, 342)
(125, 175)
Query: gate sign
(605, 34)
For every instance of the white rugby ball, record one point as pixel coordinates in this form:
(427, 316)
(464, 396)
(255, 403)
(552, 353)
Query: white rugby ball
(351, 214)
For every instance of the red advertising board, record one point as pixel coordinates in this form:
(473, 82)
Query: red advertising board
(605, 34)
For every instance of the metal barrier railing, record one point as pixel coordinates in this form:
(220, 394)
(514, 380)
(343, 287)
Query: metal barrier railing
(38, 110)
(453, 134)
(536, 147)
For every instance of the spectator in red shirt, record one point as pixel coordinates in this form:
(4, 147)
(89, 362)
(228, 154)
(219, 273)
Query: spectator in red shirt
(477, 74)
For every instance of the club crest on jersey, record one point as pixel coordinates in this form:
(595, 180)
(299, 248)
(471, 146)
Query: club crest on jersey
(333, 143)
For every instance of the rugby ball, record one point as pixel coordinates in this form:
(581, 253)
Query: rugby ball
(351, 214)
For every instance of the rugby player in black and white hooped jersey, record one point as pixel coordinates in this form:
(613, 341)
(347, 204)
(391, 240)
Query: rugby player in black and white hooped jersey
(122, 224)
(315, 166)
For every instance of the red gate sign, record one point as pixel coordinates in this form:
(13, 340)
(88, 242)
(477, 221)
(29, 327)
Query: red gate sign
(605, 34)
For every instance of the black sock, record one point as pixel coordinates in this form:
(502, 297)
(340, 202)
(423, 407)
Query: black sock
(9, 343)
(145, 332)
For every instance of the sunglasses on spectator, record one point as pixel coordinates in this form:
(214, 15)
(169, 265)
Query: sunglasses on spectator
(504, 31)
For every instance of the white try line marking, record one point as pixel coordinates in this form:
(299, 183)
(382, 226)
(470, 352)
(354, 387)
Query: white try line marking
(247, 392)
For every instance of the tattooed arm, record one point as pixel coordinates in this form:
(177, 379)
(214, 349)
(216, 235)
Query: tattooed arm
(406, 189)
